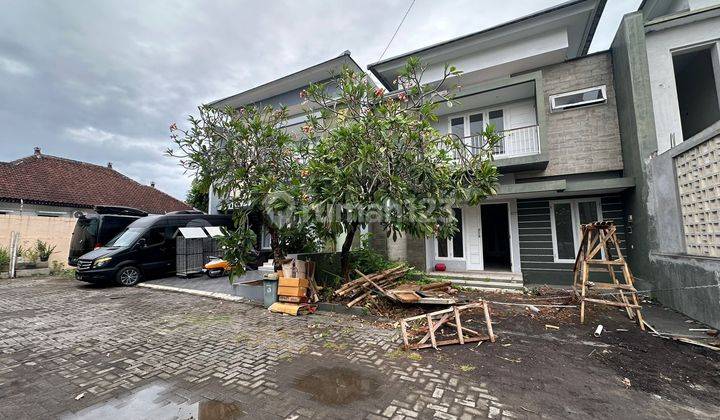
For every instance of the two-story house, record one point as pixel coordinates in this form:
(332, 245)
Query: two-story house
(560, 157)
(285, 92)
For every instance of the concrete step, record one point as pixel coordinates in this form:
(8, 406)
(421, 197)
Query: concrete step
(502, 281)
(502, 276)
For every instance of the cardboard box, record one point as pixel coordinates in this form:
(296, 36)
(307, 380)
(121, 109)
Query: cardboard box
(292, 291)
(293, 299)
(293, 282)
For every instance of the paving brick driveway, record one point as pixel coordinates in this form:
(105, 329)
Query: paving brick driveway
(74, 350)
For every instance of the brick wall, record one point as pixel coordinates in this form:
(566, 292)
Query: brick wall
(698, 178)
(584, 139)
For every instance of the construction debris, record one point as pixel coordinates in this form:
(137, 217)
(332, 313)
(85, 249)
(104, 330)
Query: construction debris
(429, 294)
(598, 331)
(595, 251)
(436, 327)
(296, 287)
(361, 288)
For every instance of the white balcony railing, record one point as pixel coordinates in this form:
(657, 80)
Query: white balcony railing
(521, 141)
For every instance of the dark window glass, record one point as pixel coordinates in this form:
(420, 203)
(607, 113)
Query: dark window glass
(111, 226)
(442, 247)
(155, 236)
(457, 240)
(588, 212)
(566, 101)
(564, 231)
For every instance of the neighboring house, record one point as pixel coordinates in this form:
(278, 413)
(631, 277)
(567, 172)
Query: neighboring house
(667, 77)
(44, 185)
(560, 158)
(40, 194)
(285, 92)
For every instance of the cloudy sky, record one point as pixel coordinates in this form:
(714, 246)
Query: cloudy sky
(102, 80)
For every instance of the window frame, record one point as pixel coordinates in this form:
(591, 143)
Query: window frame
(581, 104)
(575, 220)
(263, 234)
(449, 242)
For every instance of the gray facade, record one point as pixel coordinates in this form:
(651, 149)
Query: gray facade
(585, 139)
(536, 242)
(656, 236)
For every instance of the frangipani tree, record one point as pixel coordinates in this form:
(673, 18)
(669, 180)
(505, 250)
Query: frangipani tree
(376, 157)
(250, 161)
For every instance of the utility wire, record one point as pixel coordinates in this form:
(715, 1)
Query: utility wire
(396, 30)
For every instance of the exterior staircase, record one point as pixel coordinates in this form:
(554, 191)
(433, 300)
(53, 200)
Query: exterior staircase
(502, 281)
(268, 266)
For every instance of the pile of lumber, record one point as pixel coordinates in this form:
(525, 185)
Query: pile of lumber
(361, 288)
(440, 293)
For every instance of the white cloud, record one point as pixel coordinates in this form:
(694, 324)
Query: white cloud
(15, 67)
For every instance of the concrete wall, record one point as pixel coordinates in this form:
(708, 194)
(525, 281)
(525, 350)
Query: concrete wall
(655, 235)
(53, 230)
(34, 209)
(698, 181)
(688, 283)
(661, 44)
(584, 139)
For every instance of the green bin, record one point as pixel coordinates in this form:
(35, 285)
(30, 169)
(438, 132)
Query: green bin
(270, 289)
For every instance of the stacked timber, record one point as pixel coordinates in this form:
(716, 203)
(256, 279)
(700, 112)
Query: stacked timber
(361, 288)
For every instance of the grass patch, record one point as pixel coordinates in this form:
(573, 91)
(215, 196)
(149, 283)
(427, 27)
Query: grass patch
(467, 368)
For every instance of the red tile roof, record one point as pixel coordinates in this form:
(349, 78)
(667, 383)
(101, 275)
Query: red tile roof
(44, 179)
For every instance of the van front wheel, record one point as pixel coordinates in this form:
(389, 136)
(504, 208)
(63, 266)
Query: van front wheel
(128, 276)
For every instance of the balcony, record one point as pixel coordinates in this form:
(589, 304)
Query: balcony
(523, 141)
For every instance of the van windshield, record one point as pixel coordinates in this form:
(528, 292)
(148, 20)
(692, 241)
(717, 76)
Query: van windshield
(126, 237)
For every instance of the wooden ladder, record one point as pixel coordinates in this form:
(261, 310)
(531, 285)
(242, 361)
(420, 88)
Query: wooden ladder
(595, 255)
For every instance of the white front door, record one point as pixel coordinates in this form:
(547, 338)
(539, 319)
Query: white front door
(473, 235)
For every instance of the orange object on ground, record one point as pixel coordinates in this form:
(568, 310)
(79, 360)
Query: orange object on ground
(293, 282)
(292, 291)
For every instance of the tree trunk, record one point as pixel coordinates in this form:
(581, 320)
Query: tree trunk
(278, 254)
(345, 251)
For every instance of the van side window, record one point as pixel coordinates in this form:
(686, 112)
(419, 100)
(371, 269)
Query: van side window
(155, 236)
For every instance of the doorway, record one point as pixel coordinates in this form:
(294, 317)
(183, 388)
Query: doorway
(496, 237)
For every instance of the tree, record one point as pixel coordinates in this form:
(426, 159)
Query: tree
(197, 195)
(375, 157)
(249, 159)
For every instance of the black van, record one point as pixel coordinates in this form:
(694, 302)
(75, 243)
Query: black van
(145, 248)
(95, 230)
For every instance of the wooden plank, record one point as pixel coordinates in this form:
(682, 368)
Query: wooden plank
(358, 299)
(488, 322)
(431, 331)
(611, 303)
(403, 328)
(449, 342)
(458, 325)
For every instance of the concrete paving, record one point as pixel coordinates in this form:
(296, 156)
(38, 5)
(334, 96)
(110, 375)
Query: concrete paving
(68, 349)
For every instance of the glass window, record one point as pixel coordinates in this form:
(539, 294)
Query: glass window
(452, 247)
(457, 127)
(476, 124)
(496, 119)
(564, 234)
(578, 98)
(442, 248)
(457, 239)
(588, 212)
(155, 236)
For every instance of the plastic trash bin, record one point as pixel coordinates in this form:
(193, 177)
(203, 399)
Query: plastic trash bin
(270, 289)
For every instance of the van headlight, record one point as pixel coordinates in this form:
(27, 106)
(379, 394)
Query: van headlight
(101, 262)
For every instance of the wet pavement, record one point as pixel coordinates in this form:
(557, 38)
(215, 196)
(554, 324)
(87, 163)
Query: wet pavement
(72, 350)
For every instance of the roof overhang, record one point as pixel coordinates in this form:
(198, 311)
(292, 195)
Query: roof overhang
(549, 36)
(313, 74)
